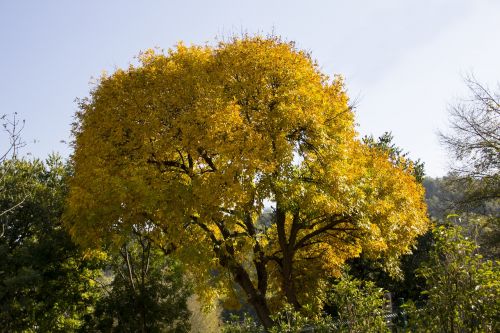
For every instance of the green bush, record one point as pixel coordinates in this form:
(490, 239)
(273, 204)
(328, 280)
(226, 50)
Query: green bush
(462, 288)
(359, 305)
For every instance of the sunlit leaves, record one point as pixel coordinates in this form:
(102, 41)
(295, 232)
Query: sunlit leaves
(196, 143)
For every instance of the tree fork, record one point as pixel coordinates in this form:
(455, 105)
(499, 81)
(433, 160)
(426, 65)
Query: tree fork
(254, 297)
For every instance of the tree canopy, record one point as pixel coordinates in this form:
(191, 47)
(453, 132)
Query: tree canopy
(47, 283)
(196, 142)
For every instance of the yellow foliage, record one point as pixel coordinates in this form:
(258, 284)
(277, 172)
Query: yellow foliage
(196, 141)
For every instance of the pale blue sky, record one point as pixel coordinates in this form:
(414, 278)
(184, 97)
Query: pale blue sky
(402, 60)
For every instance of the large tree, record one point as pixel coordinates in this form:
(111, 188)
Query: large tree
(198, 141)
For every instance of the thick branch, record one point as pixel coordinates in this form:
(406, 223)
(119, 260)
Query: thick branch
(170, 164)
(260, 260)
(300, 243)
(207, 159)
(205, 228)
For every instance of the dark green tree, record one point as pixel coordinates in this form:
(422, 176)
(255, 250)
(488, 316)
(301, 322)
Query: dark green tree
(46, 282)
(148, 293)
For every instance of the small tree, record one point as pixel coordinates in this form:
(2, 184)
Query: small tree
(12, 128)
(462, 289)
(148, 292)
(474, 142)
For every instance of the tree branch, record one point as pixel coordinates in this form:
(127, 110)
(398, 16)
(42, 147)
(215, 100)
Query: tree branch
(300, 243)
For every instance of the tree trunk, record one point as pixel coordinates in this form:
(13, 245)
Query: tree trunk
(288, 252)
(262, 310)
(288, 283)
(255, 298)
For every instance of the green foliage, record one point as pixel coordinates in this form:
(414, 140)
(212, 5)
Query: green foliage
(46, 282)
(286, 320)
(406, 286)
(462, 288)
(247, 325)
(359, 305)
(480, 220)
(291, 321)
(439, 197)
(148, 292)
